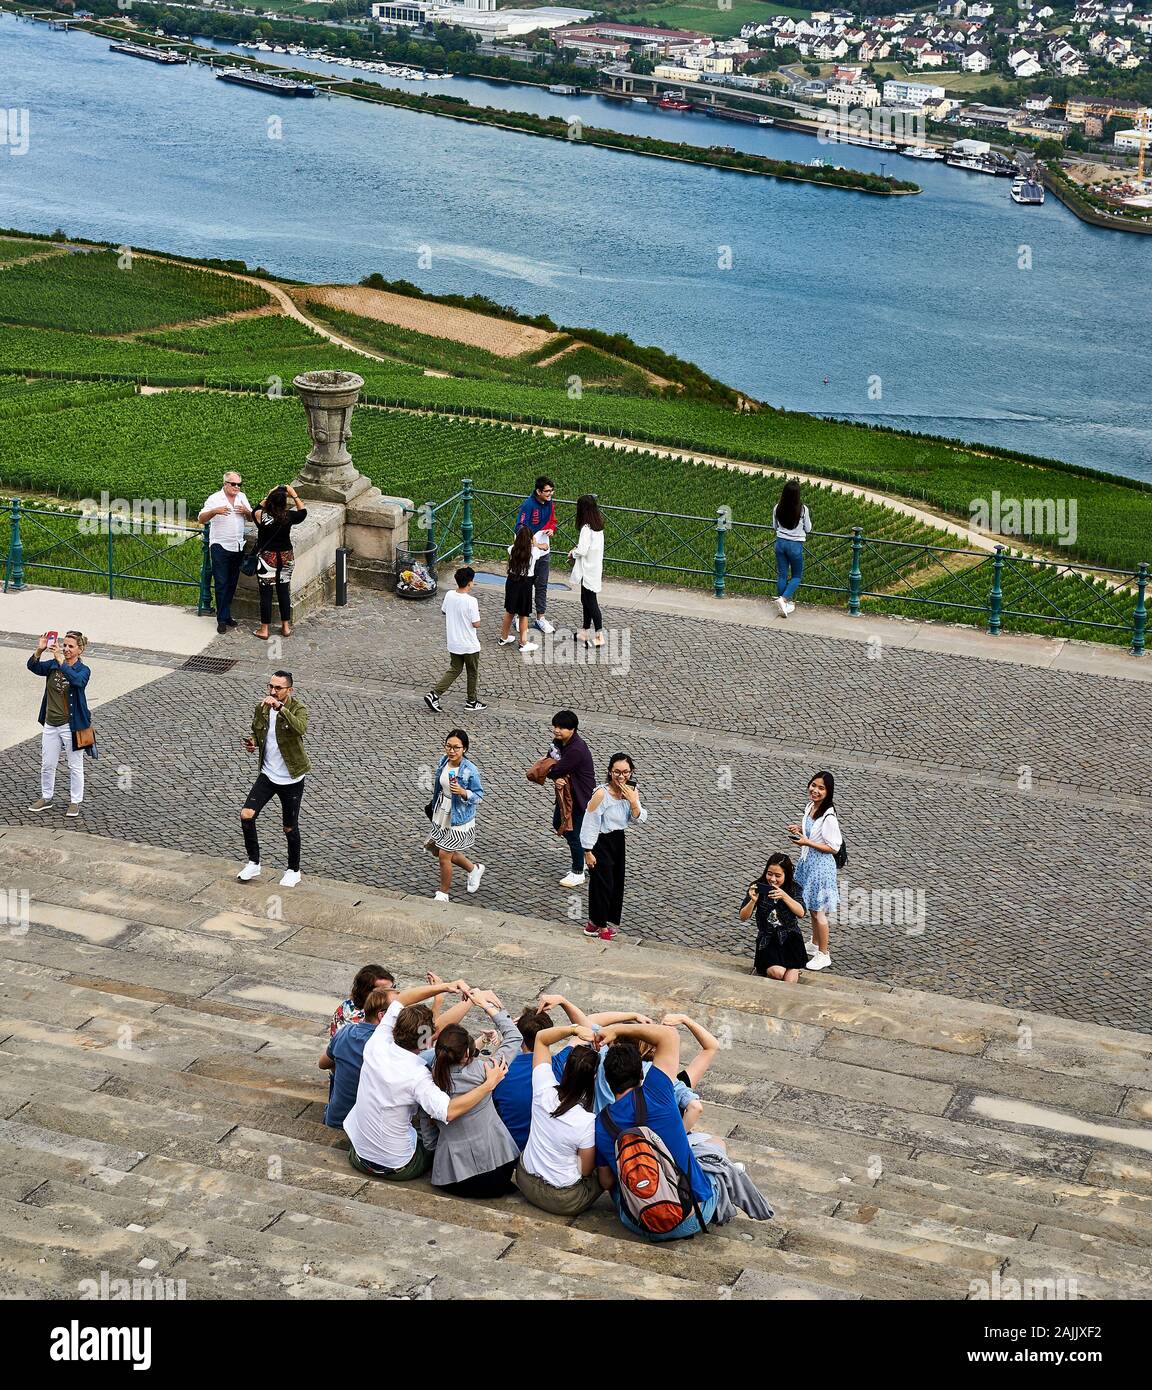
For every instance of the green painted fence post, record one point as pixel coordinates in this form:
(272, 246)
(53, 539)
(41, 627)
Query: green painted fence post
(720, 563)
(111, 557)
(204, 604)
(430, 513)
(855, 576)
(466, 523)
(14, 575)
(996, 597)
(1140, 613)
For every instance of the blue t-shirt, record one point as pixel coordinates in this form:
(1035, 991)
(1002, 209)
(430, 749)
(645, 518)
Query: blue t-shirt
(513, 1097)
(346, 1048)
(684, 1094)
(664, 1119)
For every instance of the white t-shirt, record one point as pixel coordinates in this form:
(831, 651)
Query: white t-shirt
(228, 530)
(393, 1083)
(275, 768)
(460, 612)
(793, 533)
(551, 1151)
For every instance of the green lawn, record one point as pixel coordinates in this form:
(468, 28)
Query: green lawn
(707, 18)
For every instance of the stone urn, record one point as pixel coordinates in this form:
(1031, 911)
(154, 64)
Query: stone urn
(329, 475)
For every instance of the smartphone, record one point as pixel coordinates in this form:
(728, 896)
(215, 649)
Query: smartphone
(50, 639)
(631, 782)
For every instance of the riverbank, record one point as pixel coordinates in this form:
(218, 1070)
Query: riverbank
(1113, 222)
(547, 127)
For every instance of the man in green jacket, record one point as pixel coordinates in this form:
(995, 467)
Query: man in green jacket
(278, 728)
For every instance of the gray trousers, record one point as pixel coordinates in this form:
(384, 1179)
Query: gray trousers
(540, 584)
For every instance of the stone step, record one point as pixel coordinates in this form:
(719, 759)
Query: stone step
(81, 957)
(203, 1004)
(978, 1073)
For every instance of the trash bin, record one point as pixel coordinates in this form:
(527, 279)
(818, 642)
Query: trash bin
(415, 572)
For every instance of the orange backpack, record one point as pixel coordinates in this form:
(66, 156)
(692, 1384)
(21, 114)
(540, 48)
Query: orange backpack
(653, 1190)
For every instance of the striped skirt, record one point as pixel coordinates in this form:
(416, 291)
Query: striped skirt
(456, 839)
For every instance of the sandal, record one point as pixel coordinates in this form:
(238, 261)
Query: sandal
(263, 636)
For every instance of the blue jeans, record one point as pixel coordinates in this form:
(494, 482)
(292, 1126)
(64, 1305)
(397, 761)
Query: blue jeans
(789, 558)
(225, 577)
(688, 1227)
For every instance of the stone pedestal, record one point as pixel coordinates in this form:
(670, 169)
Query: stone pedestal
(329, 475)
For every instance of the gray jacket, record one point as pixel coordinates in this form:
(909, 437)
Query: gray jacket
(734, 1188)
(477, 1142)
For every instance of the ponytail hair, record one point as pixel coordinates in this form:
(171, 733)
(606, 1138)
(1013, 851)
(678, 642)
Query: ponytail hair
(454, 1047)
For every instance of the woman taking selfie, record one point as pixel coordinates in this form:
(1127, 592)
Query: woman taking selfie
(612, 808)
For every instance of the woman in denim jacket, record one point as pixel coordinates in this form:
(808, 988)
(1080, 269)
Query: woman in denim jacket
(457, 789)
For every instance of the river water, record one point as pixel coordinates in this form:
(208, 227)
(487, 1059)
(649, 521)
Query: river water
(955, 312)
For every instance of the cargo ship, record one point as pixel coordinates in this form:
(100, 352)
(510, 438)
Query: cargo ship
(267, 82)
(154, 55)
(673, 100)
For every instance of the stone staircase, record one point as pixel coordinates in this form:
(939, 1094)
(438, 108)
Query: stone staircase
(161, 1108)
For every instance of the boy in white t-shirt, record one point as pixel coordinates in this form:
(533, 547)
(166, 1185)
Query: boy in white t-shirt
(461, 619)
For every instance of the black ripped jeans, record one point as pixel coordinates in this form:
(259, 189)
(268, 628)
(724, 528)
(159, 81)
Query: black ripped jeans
(263, 790)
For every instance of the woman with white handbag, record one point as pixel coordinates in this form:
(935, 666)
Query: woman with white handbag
(588, 569)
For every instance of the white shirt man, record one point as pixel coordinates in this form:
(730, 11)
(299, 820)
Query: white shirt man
(225, 511)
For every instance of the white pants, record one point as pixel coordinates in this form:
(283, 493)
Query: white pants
(54, 738)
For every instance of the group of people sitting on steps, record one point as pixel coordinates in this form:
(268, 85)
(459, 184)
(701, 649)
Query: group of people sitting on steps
(610, 1111)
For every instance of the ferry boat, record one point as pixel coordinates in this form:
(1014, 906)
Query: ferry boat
(982, 164)
(154, 55)
(267, 82)
(673, 100)
(839, 138)
(921, 152)
(1024, 190)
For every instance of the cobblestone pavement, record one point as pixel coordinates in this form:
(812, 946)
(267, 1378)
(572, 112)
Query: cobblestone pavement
(1026, 893)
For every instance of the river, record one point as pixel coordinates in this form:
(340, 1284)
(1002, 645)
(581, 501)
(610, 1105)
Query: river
(954, 312)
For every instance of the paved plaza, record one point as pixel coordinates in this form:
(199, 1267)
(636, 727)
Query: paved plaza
(997, 814)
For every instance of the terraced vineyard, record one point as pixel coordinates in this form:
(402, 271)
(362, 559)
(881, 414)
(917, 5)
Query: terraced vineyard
(101, 292)
(16, 248)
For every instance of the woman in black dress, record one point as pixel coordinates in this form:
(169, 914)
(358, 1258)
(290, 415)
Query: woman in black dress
(778, 905)
(275, 518)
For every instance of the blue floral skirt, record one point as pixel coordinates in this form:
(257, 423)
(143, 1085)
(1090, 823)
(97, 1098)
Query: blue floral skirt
(816, 879)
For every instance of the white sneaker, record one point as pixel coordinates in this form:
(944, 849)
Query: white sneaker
(507, 641)
(441, 897)
(474, 878)
(789, 607)
(249, 872)
(291, 878)
(529, 646)
(572, 880)
(820, 961)
(544, 625)
(782, 604)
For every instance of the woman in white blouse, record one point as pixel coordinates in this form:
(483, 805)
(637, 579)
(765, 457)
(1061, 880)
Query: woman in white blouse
(557, 1171)
(792, 524)
(821, 839)
(587, 558)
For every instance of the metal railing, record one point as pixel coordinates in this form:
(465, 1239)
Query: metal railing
(105, 550)
(998, 584)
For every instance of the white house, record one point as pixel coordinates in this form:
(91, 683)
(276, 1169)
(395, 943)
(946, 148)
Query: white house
(911, 93)
(976, 60)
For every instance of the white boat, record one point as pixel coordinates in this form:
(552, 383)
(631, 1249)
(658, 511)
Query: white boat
(640, 101)
(766, 120)
(1025, 191)
(837, 138)
(921, 152)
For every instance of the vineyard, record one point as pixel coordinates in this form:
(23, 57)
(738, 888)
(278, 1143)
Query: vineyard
(16, 248)
(83, 430)
(594, 368)
(102, 292)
